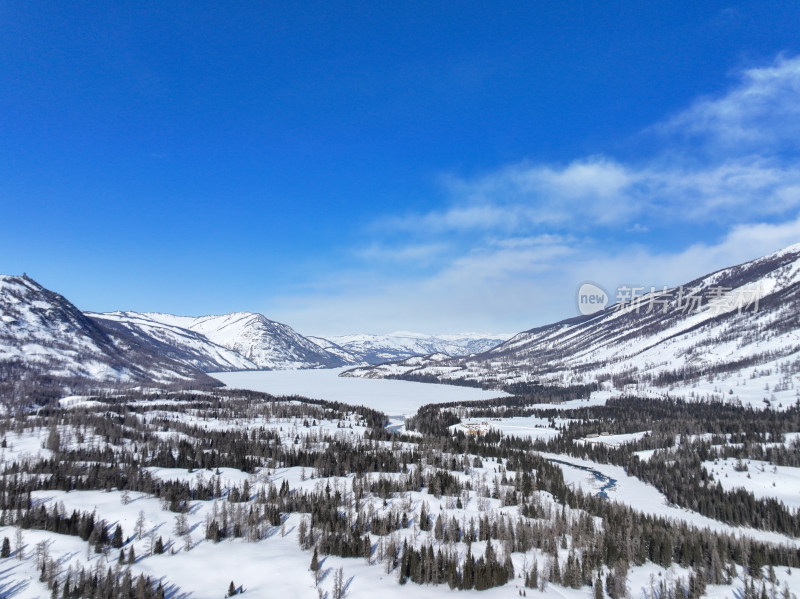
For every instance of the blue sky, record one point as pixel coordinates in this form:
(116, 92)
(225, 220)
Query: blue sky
(367, 167)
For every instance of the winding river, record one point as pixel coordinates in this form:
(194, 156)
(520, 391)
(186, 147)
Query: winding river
(607, 482)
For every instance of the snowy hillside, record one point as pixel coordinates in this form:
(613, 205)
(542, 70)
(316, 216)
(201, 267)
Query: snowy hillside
(329, 346)
(267, 344)
(375, 349)
(178, 343)
(733, 334)
(43, 334)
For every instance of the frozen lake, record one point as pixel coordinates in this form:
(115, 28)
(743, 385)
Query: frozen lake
(394, 398)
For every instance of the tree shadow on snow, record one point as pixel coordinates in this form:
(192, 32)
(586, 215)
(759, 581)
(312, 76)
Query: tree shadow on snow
(37, 501)
(10, 586)
(173, 591)
(347, 585)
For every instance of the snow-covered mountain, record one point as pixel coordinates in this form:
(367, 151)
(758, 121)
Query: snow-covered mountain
(732, 334)
(347, 357)
(376, 349)
(237, 341)
(44, 338)
(181, 344)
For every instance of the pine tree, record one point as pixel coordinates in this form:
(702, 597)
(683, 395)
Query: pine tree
(403, 570)
(116, 540)
(532, 578)
(438, 528)
(6, 551)
(314, 567)
(231, 590)
(598, 589)
(424, 520)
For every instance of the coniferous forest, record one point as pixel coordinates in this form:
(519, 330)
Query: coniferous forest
(432, 504)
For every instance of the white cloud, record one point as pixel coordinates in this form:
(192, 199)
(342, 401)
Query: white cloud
(602, 192)
(517, 285)
(421, 254)
(752, 173)
(762, 112)
(513, 245)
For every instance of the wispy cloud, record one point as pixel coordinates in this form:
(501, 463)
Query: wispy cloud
(510, 246)
(414, 253)
(761, 113)
(516, 287)
(754, 172)
(600, 192)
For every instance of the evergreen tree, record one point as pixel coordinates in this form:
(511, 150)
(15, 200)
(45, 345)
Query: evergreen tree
(532, 577)
(598, 588)
(116, 540)
(424, 519)
(314, 561)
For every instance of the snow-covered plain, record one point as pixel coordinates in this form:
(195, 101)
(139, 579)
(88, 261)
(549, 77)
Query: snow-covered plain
(520, 426)
(615, 440)
(763, 479)
(395, 398)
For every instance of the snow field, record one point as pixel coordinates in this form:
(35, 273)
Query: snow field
(763, 479)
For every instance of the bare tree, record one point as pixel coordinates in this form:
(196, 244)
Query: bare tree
(181, 524)
(339, 591)
(19, 544)
(139, 527)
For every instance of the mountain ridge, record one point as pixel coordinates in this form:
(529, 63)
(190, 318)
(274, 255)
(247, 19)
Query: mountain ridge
(375, 349)
(259, 343)
(47, 342)
(653, 343)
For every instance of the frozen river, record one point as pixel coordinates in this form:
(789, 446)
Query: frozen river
(394, 398)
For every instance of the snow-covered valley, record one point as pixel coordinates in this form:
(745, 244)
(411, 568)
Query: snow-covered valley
(126, 470)
(232, 479)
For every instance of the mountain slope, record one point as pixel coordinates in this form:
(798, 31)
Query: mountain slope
(180, 344)
(43, 335)
(743, 342)
(376, 349)
(267, 344)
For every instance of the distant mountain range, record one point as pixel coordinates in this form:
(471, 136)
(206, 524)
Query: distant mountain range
(732, 334)
(47, 341)
(375, 349)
